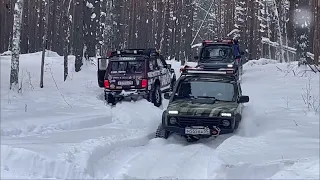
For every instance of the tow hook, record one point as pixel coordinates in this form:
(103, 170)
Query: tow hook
(216, 131)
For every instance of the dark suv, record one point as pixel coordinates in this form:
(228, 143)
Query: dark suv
(202, 105)
(133, 73)
(221, 55)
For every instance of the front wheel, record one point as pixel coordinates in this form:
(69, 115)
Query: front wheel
(162, 133)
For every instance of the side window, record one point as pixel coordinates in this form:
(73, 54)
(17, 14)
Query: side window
(153, 64)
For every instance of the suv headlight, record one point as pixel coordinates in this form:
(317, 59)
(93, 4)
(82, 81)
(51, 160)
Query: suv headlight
(173, 112)
(226, 114)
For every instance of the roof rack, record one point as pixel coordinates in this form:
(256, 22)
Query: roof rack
(226, 40)
(146, 52)
(187, 70)
(223, 40)
(205, 42)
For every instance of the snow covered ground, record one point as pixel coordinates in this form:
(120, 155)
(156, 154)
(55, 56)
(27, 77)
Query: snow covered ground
(66, 131)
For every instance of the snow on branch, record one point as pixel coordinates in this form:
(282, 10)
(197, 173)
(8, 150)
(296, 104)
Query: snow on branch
(265, 40)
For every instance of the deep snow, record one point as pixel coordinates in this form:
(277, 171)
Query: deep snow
(66, 131)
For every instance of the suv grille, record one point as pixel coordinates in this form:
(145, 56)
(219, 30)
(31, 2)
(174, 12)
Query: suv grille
(192, 121)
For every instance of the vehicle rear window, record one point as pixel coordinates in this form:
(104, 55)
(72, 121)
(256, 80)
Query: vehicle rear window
(217, 52)
(129, 67)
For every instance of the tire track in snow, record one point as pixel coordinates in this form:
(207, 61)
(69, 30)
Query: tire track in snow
(38, 126)
(172, 158)
(88, 153)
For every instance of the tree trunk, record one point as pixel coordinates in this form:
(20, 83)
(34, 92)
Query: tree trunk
(66, 32)
(14, 74)
(45, 40)
(78, 35)
(316, 37)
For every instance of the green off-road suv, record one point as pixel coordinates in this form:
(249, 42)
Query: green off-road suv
(202, 104)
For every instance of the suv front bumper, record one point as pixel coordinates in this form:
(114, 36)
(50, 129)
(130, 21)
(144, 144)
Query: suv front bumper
(183, 122)
(181, 131)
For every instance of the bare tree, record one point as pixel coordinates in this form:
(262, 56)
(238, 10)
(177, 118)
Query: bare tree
(45, 39)
(66, 31)
(316, 36)
(78, 34)
(14, 74)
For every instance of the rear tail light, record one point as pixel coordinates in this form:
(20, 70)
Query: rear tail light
(106, 84)
(144, 83)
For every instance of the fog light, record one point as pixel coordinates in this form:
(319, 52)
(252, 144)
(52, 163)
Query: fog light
(225, 123)
(173, 120)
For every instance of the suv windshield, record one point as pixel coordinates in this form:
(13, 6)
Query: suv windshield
(217, 53)
(206, 89)
(128, 67)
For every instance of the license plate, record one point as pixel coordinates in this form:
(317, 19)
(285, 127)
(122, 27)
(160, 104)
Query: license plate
(125, 83)
(196, 131)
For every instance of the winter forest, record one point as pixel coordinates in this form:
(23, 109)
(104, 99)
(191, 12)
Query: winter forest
(277, 29)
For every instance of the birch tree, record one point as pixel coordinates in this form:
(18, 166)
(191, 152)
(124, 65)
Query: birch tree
(17, 21)
(280, 52)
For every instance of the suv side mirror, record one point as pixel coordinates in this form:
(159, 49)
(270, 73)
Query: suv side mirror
(243, 99)
(167, 95)
(196, 57)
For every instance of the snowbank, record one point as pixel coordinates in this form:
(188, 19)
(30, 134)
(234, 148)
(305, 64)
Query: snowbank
(48, 53)
(23, 162)
(6, 53)
(261, 61)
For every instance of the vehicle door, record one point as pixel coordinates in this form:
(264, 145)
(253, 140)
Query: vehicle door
(165, 73)
(169, 74)
(154, 72)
